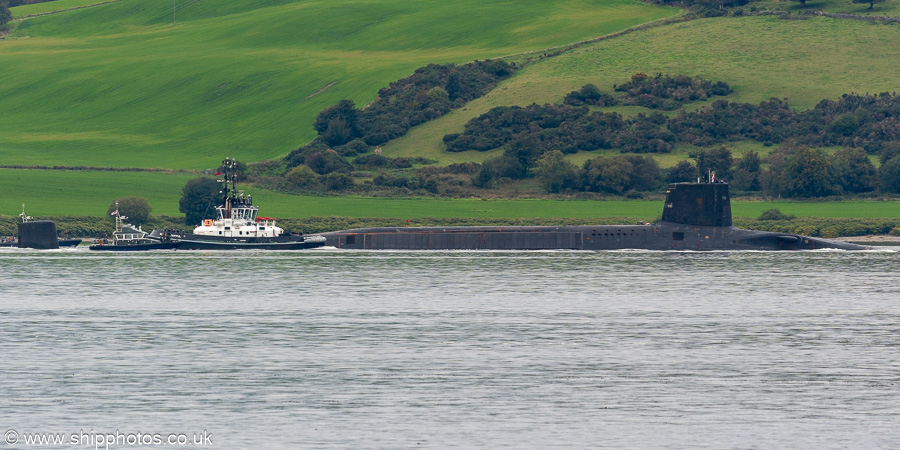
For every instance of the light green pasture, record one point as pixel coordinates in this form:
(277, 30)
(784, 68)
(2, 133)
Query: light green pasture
(121, 85)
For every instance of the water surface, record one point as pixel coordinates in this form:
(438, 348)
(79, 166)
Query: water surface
(455, 349)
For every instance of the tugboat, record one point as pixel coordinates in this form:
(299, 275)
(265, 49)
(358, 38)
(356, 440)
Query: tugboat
(127, 237)
(237, 225)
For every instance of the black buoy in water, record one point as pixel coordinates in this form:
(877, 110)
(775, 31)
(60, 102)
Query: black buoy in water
(39, 234)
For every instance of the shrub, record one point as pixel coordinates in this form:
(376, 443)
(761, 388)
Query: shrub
(301, 177)
(136, 209)
(775, 214)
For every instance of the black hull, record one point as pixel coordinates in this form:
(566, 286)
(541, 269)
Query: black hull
(232, 245)
(661, 236)
(69, 242)
(190, 241)
(136, 247)
(696, 216)
(62, 243)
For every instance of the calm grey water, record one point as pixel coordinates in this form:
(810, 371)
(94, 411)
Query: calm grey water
(453, 349)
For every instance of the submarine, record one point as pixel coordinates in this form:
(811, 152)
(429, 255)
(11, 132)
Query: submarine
(696, 217)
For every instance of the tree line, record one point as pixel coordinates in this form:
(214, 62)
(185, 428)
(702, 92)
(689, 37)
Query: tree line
(789, 171)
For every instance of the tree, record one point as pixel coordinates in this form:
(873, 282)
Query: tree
(326, 162)
(684, 171)
(199, 198)
(555, 173)
(338, 124)
(807, 173)
(853, 170)
(870, 2)
(5, 13)
(301, 176)
(645, 175)
(607, 174)
(136, 209)
(717, 160)
(746, 175)
(889, 172)
(337, 181)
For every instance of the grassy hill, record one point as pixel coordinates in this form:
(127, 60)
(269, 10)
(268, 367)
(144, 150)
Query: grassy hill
(804, 61)
(120, 85)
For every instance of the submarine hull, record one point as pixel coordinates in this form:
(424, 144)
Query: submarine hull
(661, 236)
(696, 216)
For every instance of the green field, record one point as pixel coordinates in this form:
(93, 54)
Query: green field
(90, 193)
(889, 8)
(52, 6)
(804, 61)
(120, 85)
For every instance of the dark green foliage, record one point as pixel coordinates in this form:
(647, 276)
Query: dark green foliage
(889, 172)
(682, 172)
(531, 131)
(717, 161)
(136, 209)
(888, 151)
(555, 173)
(199, 198)
(301, 177)
(747, 173)
(496, 168)
(618, 174)
(866, 121)
(647, 175)
(610, 174)
(327, 162)
(5, 13)
(338, 124)
(589, 95)
(853, 171)
(775, 214)
(669, 92)
(337, 181)
(352, 148)
(807, 173)
(427, 94)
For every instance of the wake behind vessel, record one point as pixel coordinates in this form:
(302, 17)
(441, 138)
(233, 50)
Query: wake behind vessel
(696, 216)
(237, 225)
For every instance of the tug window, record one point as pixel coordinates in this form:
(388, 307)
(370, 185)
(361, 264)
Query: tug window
(677, 236)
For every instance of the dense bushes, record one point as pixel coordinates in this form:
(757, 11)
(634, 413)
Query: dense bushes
(536, 129)
(669, 92)
(430, 92)
(864, 121)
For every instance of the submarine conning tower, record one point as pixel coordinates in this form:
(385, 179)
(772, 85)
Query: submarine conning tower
(699, 204)
(39, 234)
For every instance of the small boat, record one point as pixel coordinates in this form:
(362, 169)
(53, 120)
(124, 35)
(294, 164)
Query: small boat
(127, 237)
(238, 225)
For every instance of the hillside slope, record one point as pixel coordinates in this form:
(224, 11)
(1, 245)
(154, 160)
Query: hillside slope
(804, 61)
(120, 85)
